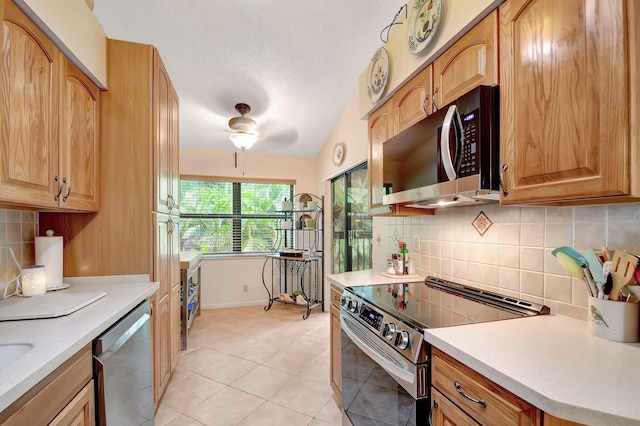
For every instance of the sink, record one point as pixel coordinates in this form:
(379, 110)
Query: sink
(9, 353)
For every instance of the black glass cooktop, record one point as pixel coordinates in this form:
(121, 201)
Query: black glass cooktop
(440, 303)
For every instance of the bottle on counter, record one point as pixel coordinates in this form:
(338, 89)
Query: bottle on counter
(405, 252)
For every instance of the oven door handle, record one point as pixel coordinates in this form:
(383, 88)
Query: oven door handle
(394, 370)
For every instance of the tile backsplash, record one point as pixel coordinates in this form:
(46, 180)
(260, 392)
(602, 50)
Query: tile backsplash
(17, 230)
(513, 256)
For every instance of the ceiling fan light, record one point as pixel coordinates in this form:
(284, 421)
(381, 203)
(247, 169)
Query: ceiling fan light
(243, 140)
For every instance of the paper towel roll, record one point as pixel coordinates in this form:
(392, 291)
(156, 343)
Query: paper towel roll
(49, 254)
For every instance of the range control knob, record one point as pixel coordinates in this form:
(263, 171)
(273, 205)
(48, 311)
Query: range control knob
(404, 340)
(389, 331)
(344, 300)
(353, 306)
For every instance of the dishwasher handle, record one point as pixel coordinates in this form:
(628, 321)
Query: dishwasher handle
(124, 327)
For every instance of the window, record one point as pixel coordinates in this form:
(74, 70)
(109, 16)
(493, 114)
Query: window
(224, 217)
(352, 225)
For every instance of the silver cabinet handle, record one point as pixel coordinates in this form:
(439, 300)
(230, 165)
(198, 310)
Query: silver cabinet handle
(480, 402)
(170, 226)
(505, 191)
(65, 181)
(57, 180)
(171, 203)
(424, 105)
(433, 408)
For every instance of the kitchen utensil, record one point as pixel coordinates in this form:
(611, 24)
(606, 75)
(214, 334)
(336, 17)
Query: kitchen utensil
(572, 253)
(606, 253)
(594, 265)
(576, 270)
(635, 289)
(623, 268)
(626, 295)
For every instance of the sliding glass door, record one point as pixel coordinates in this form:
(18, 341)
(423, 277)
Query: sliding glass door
(352, 225)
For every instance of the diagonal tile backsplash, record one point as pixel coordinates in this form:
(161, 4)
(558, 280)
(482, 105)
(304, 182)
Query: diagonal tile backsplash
(514, 255)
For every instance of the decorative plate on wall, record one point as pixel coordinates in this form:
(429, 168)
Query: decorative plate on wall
(378, 74)
(423, 23)
(339, 152)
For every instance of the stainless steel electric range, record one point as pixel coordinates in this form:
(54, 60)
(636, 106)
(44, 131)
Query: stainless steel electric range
(385, 359)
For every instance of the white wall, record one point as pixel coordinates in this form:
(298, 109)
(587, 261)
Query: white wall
(75, 30)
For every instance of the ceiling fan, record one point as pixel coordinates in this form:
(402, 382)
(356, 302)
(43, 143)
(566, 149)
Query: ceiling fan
(245, 130)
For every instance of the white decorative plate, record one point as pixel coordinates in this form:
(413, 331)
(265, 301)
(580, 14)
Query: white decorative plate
(378, 74)
(423, 23)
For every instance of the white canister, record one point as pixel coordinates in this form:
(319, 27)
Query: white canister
(312, 205)
(614, 320)
(34, 280)
(287, 206)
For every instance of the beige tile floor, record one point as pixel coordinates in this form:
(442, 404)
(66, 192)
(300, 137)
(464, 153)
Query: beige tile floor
(245, 366)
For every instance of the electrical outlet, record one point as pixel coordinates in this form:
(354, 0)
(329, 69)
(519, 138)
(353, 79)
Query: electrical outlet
(245, 288)
(416, 243)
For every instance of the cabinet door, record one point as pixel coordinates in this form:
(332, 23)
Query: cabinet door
(335, 344)
(379, 132)
(162, 347)
(162, 138)
(472, 61)
(446, 413)
(174, 320)
(80, 411)
(564, 99)
(163, 253)
(29, 93)
(412, 102)
(79, 136)
(174, 142)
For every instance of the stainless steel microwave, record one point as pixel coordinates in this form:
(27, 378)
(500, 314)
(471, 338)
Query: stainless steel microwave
(450, 157)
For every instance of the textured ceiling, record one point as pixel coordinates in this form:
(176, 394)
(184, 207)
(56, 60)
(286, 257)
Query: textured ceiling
(295, 62)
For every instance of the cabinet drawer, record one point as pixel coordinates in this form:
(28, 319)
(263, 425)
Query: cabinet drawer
(335, 297)
(502, 407)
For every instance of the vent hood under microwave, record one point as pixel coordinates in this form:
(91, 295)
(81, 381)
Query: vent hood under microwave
(450, 157)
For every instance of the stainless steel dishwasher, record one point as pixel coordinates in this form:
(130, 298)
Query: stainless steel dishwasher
(123, 371)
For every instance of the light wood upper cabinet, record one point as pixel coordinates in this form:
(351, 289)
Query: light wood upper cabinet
(79, 139)
(470, 62)
(29, 95)
(565, 110)
(49, 119)
(412, 102)
(380, 126)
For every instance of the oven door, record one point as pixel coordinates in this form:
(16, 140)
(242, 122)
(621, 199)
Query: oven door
(373, 387)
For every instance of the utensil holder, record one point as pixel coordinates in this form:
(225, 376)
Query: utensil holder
(613, 320)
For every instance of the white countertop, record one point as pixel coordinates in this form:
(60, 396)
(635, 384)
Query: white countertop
(551, 361)
(368, 277)
(55, 340)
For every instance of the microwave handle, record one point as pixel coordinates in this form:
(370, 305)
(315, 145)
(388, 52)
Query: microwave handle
(451, 166)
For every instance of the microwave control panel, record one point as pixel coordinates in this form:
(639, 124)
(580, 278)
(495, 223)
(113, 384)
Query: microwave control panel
(470, 156)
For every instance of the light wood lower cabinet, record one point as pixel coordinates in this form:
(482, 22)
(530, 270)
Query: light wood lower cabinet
(446, 413)
(80, 411)
(335, 343)
(66, 396)
(485, 401)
